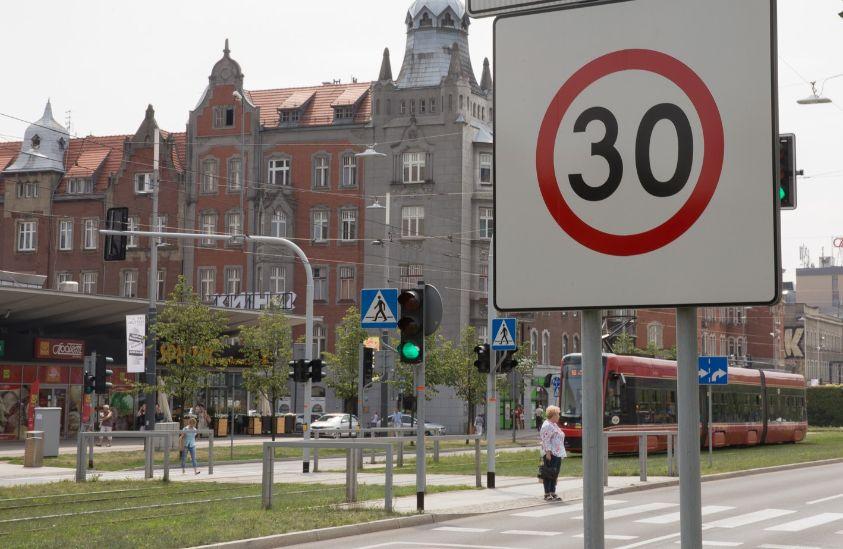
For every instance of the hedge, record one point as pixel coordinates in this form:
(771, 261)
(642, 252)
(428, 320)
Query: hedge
(825, 406)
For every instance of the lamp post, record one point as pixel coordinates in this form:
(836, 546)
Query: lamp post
(152, 313)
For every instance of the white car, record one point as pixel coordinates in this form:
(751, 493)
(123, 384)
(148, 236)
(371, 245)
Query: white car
(430, 428)
(341, 425)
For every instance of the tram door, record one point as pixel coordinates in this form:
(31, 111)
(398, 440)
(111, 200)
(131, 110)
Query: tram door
(56, 398)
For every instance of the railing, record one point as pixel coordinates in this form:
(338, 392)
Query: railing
(83, 464)
(351, 447)
(642, 451)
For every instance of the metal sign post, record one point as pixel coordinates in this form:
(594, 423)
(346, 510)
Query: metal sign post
(712, 370)
(688, 399)
(491, 396)
(420, 397)
(592, 428)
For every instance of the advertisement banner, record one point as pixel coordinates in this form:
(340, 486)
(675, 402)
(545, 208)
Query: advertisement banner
(135, 343)
(59, 349)
(33, 402)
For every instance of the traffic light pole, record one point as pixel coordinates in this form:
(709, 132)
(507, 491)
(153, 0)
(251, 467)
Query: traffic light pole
(491, 396)
(421, 465)
(152, 313)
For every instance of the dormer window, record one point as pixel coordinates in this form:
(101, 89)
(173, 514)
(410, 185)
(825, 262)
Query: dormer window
(289, 116)
(344, 112)
(80, 185)
(447, 21)
(36, 141)
(224, 116)
(62, 143)
(425, 21)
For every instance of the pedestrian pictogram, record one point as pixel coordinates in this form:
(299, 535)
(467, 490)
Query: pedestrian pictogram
(713, 370)
(503, 330)
(379, 307)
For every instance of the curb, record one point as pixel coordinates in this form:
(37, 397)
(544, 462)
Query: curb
(325, 534)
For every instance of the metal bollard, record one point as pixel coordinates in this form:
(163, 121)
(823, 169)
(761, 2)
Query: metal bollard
(149, 446)
(606, 463)
(387, 490)
(266, 484)
(80, 458)
(211, 453)
(436, 451)
(671, 469)
(478, 482)
(400, 453)
(167, 459)
(642, 458)
(316, 460)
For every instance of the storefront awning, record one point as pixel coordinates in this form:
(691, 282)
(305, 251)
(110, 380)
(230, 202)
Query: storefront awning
(48, 308)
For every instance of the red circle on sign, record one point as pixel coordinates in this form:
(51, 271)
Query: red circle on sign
(712, 128)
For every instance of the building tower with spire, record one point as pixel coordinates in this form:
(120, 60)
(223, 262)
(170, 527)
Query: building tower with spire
(434, 121)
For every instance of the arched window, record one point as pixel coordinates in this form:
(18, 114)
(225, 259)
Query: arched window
(319, 340)
(534, 342)
(425, 20)
(732, 347)
(740, 349)
(447, 21)
(655, 334)
(278, 224)
(576, 343)
(564, 344)
(545, 347)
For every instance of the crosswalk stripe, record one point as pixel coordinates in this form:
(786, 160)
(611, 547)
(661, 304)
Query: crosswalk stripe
(563, 509)
(709, 543)
(634, 510)
(774, 546)
(463, 530)
(674, 517)
(530, 533)
(616, 537)
(805, 523)
(821, 500)
(749, 518)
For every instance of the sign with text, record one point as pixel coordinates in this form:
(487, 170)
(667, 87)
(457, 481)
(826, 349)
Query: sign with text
(638, 160)
(255, 300)
(59, 349)
(135, 343)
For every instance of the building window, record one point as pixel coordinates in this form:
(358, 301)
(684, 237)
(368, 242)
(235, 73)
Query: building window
(412, 106)
(545, 358)
(655, 333)
(279, 172)
(321, 172)
(235, 174)
(36, 141)
(63, 277)
(26, 189)
(482, 333)
(278, 224)
(90, 234)
(487, 223)
(233, 278)
(347, 283)
(422, 106)
(320, 283)
(278, 279)
(89, 282)
(207, 282)
(161, 282)
(411, 275)
(289, 116)
(349, 170)
(483, 285)
(209, 226)
(66, 234)
(432, 105)
(320, 336)
(576, 343)
(348, 224)
(412, 221)
(129, 284)
(485, 169)
(132, 225)
(224, 116)
(344, 113)
(731, 347)
(320, 225)
(403, 107)
(414, 167)
(233, 223)
(740, 348)
(143, 183)
(80, 185)
(534, 342)
(209, 176)
(712, 344)
(723, 348)
(160, 224)
(564, 345)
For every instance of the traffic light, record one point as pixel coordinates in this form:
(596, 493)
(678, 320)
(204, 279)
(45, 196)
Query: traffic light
(368, 365)
(298, 370)
(293, 369)
(89, 383)
(411, 326)
(101, 374)
(509, 362)
(787, 171)
(484, 357)
(117, 219)
(316, 369)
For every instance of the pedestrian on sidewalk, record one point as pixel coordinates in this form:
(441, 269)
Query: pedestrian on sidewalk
(107, 420)
(519, 417)
(140, 418)
(478, 424)
(187, 439)
(539, 414)
(553, 451)
(375, 422)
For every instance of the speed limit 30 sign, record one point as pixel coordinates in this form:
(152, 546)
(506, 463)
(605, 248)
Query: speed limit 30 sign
(635, 155)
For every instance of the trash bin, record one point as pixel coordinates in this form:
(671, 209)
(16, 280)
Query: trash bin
(290, 423)
(33, 454)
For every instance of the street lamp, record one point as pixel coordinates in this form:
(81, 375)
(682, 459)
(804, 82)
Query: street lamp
(382, 242)
(816, 97)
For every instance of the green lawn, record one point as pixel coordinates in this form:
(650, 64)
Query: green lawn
(208, 512)
(820, 444)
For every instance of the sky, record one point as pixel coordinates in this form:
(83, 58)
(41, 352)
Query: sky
(102, 62)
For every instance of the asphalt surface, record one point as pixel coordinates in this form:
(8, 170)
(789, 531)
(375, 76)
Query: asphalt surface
(797, 509)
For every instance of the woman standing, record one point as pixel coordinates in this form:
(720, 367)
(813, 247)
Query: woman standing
(553, 451)
(188, 436)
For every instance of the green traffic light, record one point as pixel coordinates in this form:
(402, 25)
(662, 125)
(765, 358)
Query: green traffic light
(410, 351)
(782, 194)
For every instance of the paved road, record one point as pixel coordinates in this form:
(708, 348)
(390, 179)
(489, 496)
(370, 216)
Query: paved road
(799, 509)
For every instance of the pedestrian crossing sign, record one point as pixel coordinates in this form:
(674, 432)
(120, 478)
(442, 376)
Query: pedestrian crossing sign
(378, 308)
(504, 334)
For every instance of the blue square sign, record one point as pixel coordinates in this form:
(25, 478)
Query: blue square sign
(503, 334)
(713, 370)
(379, 308)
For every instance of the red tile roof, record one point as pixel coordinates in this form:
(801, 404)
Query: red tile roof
(89, 160)
(319, 110)
(180, 150)
(8, 152)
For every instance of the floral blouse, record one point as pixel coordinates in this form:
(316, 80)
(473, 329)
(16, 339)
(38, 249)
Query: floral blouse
(553, 439)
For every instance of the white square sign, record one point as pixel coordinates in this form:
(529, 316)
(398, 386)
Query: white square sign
(636, 155)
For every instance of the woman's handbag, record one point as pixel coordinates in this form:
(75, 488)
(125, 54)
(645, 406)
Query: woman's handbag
(181, 442)
(546, 472)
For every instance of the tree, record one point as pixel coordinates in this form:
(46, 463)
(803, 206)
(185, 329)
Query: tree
(344, 365)
(459, 373)
(191, 336)
(267, 349)
(623, 344)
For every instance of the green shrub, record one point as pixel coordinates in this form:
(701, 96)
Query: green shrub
(825, 406)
